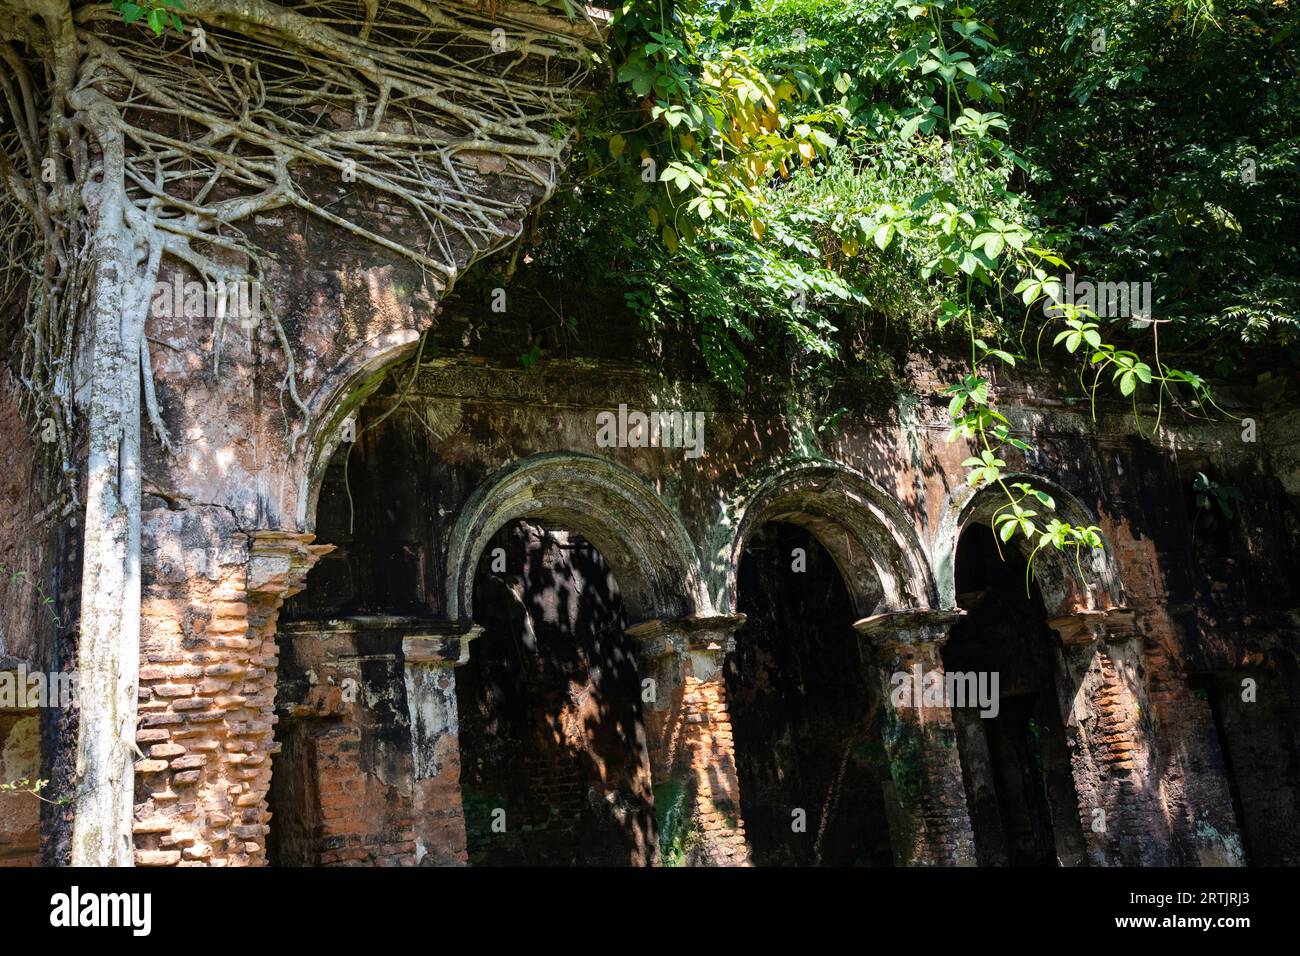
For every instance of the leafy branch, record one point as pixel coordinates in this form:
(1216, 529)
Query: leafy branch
(157, 15)
(970, 241)
(34, 788)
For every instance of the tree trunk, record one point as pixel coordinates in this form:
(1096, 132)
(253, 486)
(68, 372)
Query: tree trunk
(109, 646)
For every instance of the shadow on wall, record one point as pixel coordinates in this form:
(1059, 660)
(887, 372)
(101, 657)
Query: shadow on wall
(1258, 727)
(554, 768)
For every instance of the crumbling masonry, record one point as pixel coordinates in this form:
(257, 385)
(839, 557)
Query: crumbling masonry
(423, 617)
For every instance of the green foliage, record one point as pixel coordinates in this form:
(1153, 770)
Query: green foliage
(32, 788)
(1168, 151)
(775, 177)
(860, 144)
(157, 15)
(672, 819)
(46, 601)
(1211, 494)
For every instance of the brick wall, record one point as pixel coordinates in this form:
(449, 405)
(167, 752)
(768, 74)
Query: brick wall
(20, 813)
(25, 624)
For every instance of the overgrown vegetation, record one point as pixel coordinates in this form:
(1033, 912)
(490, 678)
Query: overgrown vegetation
(779, 177)
(790, 183)
(781, 180)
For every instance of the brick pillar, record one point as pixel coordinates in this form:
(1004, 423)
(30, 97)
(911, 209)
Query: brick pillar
(1115, 758)
(1109, 752)
(1146, 753)
(930, 823)
(1189, 765)
(688, 731)
(430, 661)
(207, 694)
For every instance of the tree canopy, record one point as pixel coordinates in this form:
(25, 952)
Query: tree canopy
(773, 173)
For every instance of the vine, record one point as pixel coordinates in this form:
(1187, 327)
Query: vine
(33, 788)
(46, 602)
(782, 139)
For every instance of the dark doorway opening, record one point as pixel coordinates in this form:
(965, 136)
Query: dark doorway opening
(1015, 762)
(1258, 734)
(808, 748)
(554, 768)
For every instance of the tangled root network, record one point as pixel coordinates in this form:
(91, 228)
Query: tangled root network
(167, 147)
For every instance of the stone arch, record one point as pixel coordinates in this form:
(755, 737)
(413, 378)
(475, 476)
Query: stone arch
(341, 393)
(873, 542)
(613, 508)
(1064, 589)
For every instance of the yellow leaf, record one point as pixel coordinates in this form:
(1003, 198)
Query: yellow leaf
(616, 145)
(808, 153)
(670, 238)
(757, 227)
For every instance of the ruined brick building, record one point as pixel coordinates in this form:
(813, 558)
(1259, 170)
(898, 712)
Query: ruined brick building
(435, 617)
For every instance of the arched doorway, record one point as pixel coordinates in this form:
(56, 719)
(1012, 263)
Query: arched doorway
(1004, 663)
(554, 768)
(808, 749)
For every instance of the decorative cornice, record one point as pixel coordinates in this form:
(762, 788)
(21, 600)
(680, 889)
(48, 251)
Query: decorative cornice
(279, 561)
(909, 626)
(659, 638)
(1087, 625)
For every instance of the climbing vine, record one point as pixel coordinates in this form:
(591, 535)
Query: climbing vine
(26, 785)
(17, 577)
(786, 176)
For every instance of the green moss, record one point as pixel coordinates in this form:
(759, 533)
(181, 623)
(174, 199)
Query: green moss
(672, 817)
(906, 757)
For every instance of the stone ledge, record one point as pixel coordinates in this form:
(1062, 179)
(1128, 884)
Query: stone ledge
(908, 626)
(1086, 626)
(659, 638)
